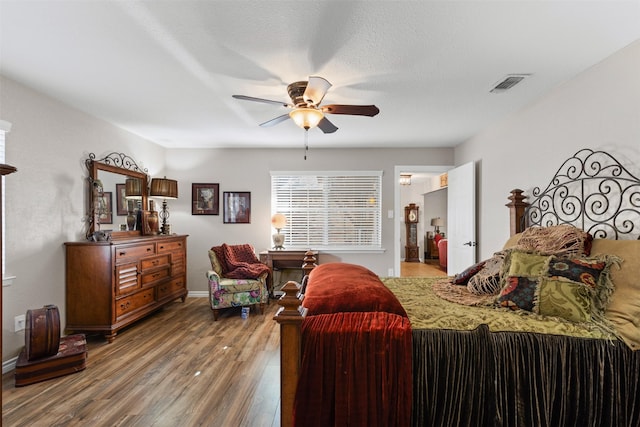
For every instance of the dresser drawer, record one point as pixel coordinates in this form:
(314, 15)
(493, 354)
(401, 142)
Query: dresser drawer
(135, 251)
(175, 246)
(171, 288)
(154, 276)
(133, 302)
(155, 262)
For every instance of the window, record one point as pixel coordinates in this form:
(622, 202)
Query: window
(329, 210)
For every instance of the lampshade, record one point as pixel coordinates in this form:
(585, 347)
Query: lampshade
(405, 179)
(437, 222)
(315, 90)
(165, 188)
(278, 221)
(306, 118)
(133, 188)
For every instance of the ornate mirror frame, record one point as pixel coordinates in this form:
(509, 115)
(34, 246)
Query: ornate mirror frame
(119, 164)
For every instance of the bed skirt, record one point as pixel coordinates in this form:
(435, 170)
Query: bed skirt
(478, 377)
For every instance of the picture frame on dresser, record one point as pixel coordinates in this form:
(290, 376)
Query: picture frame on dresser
(237, 207)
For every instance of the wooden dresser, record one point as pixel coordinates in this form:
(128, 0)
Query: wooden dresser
(110, 285)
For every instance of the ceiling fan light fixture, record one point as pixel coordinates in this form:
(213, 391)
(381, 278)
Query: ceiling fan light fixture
(306, 118)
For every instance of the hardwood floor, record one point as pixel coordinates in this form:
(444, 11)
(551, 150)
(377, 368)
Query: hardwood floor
(175, 368)
(420, 269)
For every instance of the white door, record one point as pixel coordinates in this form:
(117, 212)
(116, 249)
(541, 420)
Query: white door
(461, 218)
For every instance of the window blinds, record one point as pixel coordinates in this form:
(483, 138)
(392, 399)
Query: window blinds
(338, 210)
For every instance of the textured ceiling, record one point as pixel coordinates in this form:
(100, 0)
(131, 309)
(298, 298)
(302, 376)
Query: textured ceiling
(166, 70)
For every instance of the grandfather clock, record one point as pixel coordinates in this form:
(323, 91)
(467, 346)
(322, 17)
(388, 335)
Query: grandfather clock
(412, 252)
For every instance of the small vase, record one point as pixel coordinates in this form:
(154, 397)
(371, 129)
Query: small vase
(154, 224)
(131, 221)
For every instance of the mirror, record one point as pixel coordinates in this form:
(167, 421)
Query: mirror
(108, 207)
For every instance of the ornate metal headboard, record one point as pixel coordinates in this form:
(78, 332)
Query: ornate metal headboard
(592, 191)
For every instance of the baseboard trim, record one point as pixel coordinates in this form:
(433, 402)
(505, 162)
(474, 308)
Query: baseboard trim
(9, 365)
(198, 294)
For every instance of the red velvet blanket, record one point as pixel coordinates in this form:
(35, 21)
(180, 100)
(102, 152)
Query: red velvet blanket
(356, 367)
(239, 261)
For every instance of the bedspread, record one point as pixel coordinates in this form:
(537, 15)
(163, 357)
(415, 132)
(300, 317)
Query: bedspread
(426, 310)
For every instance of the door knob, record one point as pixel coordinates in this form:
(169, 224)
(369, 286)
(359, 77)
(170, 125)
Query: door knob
(469, 244)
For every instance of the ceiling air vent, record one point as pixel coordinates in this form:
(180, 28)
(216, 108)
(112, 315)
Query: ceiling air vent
(508, 82)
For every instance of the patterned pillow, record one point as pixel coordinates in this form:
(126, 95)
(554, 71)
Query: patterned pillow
(487, 280)
(463, 278)
(576, 289)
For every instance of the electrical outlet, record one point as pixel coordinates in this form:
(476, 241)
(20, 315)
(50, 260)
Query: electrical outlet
(390, 272)
(19, 323)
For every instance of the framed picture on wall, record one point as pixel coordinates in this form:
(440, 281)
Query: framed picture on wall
(121, 201)
(105, 208)
(205, 199)
(237, 207)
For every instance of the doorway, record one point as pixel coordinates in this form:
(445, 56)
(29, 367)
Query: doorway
(432, 171)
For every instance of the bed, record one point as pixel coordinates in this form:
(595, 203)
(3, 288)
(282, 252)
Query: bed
(545, 349)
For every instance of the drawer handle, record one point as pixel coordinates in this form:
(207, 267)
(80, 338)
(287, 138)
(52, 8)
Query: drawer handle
(161, 247)
(123, 253)
(124, 306)
(148, 249)
(156, 262)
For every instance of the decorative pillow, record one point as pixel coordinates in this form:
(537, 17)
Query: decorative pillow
(487, 280)
(463, 278)
(576, 289)
(561, 240)
(624, 309)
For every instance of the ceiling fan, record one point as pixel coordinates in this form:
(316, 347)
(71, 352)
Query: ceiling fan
(305, 107)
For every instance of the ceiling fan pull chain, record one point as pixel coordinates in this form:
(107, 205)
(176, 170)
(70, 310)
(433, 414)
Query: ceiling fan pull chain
(306, 143)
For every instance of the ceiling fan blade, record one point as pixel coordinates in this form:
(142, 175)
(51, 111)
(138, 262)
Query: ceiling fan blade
(355, 110)
(316, 89)
(275, 121)
(266, 101)
(326, 126)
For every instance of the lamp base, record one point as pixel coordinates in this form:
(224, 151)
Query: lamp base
(278, 241)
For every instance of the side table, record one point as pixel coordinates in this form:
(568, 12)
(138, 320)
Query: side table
(301, 259)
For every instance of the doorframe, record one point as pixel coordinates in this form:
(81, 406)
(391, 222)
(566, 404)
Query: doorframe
(398, 210)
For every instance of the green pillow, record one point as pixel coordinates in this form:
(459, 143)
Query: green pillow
(573, 288)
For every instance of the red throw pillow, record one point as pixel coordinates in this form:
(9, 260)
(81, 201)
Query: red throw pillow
(463, 278)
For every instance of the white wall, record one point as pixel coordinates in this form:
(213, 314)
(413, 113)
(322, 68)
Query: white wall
(600, 110)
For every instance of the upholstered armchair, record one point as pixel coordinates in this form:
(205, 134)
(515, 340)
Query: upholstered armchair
(442, 253)
(237, 278)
